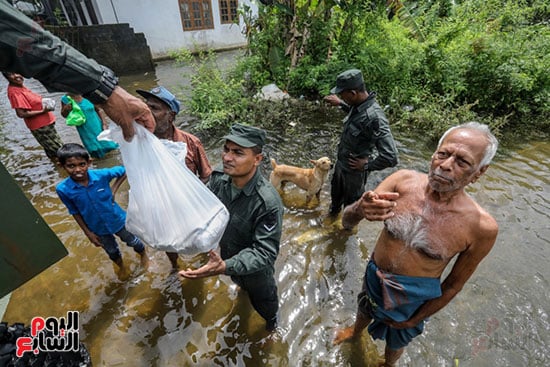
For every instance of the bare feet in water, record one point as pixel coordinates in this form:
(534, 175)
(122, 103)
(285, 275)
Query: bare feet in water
(121, 271)
(144, 260)
(347, 334)
(343, 335)
(173, 257)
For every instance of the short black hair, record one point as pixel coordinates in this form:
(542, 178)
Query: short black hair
(72, 150)
(7, 74)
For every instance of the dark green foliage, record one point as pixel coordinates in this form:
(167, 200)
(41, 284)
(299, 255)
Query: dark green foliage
(216, 99)
(435, 63)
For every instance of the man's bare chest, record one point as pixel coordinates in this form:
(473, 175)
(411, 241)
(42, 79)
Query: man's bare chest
(437, 233)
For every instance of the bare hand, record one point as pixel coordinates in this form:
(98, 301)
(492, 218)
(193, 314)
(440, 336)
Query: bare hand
(124, 108)
(94, 238)
(214, 266)
(333, 100)
(343, 335)
(66, 109)
(378, 206)
(358, 164)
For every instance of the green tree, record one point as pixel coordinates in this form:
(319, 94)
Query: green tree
(433, 62)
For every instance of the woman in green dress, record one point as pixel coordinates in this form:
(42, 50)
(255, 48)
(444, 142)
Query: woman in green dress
(89, 130)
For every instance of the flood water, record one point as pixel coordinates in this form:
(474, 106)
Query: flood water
(154, 318)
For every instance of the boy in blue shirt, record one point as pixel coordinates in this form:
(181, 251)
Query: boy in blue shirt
(88, 197)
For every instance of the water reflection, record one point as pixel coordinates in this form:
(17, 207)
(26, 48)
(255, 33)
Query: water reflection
(155, 319)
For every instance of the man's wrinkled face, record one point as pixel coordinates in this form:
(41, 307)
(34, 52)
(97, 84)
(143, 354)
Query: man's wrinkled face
(164, 116)
(455, 164)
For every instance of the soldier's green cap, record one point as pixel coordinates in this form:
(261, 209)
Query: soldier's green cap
(349, 79)
(246, 136)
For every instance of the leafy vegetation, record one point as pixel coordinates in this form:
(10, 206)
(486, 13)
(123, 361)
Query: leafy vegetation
(216, 99)
(434, 63)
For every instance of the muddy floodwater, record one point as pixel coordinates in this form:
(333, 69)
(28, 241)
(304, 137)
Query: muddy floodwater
(154, 318)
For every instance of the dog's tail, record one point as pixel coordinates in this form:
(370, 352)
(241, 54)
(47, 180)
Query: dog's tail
(273, 163)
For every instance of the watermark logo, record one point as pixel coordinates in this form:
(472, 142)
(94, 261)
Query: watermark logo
(51, 335)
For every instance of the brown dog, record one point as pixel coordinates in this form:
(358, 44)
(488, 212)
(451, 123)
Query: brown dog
(309, 179)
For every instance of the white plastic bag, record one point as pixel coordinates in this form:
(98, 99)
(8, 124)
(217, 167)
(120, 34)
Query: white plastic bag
(48, 103)
(169, 208)
(177, 148)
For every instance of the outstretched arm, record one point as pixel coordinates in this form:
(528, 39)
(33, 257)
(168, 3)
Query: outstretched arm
(371, 206)
(102, 116)
(377, 205)
(333, 100)
(214, 266)
(124, 108)
(33, 52)
(116, 185)
(28, 49)
(23, 113)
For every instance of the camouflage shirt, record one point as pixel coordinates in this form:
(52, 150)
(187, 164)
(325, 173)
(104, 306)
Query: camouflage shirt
(250, 242)
(366, 131)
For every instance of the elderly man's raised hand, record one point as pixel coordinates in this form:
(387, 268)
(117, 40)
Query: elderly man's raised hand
(371, 206)
(124, 108)
(378, 206)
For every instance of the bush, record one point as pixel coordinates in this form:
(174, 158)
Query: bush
(216, 99)
(448, 62)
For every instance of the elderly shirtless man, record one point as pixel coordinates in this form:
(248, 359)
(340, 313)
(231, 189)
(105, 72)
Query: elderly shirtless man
(428, 219)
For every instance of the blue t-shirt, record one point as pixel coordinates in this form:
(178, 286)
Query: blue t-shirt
(95, 202)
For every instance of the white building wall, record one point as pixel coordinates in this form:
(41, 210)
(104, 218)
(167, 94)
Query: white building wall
(160, 21)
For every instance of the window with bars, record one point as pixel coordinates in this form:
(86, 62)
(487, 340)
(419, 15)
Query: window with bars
(196, 14)
(228, 11)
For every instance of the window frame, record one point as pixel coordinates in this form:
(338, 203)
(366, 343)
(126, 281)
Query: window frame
(232, 12)
(191, 12)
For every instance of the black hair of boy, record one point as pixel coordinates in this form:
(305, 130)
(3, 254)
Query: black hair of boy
(72, 150)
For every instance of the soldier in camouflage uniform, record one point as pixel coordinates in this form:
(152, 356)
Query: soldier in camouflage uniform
(366, 143)
(250, 244)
